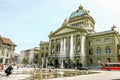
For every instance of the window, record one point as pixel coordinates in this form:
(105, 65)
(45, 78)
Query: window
(107, 50)
(89, 43)
(1, 60)
(36, 56)
(109, 60)
(46, 55)
(98, 41)
(99, 51)
(91, 61)
(99, 60)
(42, 55)
(46, 48)
(90, 51)
(77, 24)
(58, 47)
(107, 40)
(42, 48)
(78, 46)
(7, 55)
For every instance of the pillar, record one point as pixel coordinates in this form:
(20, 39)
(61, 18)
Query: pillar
(83, 55)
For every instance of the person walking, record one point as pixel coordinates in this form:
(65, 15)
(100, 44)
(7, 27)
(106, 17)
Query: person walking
(8, 71)
(2, 68)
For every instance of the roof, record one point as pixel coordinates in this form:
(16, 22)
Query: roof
(7, 41)
(102, 33)
(79, 12)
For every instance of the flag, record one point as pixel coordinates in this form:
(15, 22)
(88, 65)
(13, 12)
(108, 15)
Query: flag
(114, 26)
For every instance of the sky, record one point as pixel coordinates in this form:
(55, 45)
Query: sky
(27, 22)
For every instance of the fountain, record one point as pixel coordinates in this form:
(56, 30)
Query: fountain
(54, 73)
(61, 69)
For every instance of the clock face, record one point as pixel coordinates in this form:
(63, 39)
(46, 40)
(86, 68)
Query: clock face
(77, 13)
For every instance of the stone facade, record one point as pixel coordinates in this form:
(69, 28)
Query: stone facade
(44, 52)
(30, 56)
(76, 43)
(7, 48)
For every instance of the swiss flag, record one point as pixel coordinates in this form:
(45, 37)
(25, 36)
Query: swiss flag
(114, 26)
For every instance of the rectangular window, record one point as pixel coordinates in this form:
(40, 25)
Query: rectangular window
(98, 42)
(107, 40)
(89, 43)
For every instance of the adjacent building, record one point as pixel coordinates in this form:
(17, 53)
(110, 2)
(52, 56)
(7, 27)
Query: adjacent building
(44, 52)
(7, 48)
(30, 56)
(77, 43)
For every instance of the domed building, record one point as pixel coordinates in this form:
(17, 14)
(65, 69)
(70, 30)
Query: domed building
(76, 43)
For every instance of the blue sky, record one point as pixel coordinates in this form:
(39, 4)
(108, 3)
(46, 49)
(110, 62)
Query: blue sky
(27, 22)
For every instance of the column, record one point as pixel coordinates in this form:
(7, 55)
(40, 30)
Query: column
(64, 47)
(71, 47)
(61, 47)
(75, 44)
(4, 57)
(55, 46)
(68, 46)
(49, 55)
(83, 56)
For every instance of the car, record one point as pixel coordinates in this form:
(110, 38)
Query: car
(83, 68)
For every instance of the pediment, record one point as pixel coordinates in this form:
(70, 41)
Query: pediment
(67, 30)
(64, 30)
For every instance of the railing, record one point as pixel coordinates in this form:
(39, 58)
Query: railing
(64, 55)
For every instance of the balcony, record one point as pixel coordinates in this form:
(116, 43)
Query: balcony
(64, 55)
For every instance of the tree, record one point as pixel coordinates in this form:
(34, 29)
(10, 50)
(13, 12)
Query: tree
(25, 60)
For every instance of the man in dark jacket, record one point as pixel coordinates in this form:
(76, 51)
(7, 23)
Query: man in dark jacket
(8, 71)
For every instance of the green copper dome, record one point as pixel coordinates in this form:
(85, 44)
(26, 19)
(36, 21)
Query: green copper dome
(79, 12)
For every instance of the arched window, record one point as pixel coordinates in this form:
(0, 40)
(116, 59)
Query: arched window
(99, 51)
(108, 51)
(90, 51)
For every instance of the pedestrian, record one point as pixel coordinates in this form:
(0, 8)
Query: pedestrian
(8, 71)
(2, 68)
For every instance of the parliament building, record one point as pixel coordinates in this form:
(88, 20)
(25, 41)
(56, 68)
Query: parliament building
(77, 43)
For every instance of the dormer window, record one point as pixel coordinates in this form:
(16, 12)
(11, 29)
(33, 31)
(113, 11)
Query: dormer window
(78, 24)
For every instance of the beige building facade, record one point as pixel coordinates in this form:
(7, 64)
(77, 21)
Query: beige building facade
(30, 56)
(77, 43)
(44, 53)
(7, 48)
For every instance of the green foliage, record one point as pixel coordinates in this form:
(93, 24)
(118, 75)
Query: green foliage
(25, 60)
